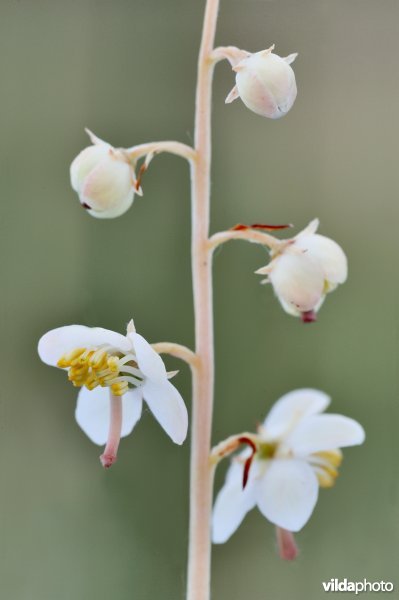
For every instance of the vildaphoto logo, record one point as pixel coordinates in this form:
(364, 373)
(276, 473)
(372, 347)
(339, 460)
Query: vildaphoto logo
(344, 585)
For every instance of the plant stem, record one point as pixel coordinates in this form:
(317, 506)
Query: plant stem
(249, 235)
(136, 152)
(178, 351)
(201, 471)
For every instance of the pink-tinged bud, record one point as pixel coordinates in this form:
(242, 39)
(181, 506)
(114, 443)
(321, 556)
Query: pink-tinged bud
(266, 84)
(104, 180)
(304, 271)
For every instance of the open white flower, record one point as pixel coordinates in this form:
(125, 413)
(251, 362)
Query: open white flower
(265, 82)
(104, 179)
(116, 373)
(295, 451)
(303, 270)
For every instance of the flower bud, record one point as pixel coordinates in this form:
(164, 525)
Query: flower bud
(305, 270)
(266, 84)
(104, 180)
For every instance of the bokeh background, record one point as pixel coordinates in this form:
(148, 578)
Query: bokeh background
(127, 70)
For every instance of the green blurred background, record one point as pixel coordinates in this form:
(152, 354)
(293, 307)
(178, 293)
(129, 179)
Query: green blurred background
(127, 69)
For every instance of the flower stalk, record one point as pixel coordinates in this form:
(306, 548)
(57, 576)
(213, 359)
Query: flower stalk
(178, 351)
(137, 152)
(249, 235)
(201, 471)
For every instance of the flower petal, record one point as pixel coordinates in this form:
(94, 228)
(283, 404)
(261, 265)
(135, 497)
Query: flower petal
(328, 253)
(325, 432)
(132, 405)
(93, 412)
(291, 408)
(297, 279)
(149, 361)
(84, 163)
(108, 186)
(168, 408)
(232, 504)
(53, 344)
(287, 493)
(290, 308)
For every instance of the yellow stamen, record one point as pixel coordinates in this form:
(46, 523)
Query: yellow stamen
(325, 479)
(92, 368)
(65, 361)
(326, 466)
(334, 457)
(113, 364)
(98, 359)
(120, 388)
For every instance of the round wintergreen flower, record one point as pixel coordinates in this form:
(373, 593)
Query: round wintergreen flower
(265, 82)
(115, 374)
(304, 270)
(296, 450)
(104, 179)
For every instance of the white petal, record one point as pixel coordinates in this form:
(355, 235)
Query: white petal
(232, 504)
(168, 408)
(53, 344)
(291, 408)
(287, 493)
(84, 163)
(132, 404)
(116, 211)
(298, 280)
(289, 308)
(328, 253)
(108, 186)
(93, 413)
(325, 432)
(149, 361)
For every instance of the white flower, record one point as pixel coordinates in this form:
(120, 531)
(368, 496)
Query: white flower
(297, 450)
(111, 367)
(266, 84)
(303, 270)
(104, 179)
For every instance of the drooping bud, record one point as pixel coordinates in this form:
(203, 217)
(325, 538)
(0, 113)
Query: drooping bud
(104, 179)
(306, 269)
(266, 84)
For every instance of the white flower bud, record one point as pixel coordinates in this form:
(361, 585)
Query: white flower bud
(104, 180)
(266, 84)
(306, 269)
